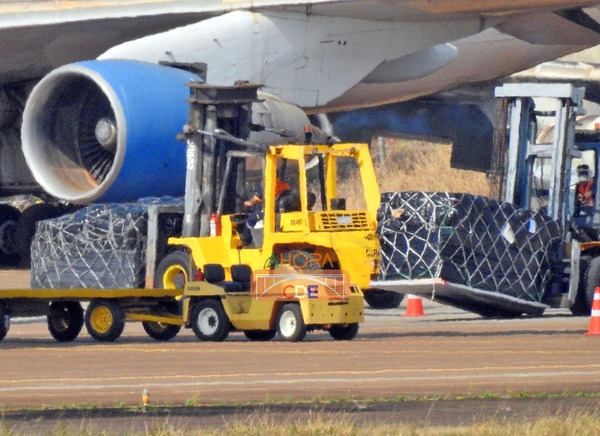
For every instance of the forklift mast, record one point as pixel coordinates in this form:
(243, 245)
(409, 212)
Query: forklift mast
(215, 112)
(529, 174)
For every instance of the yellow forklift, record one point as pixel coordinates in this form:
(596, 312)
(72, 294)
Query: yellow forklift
(307, 224)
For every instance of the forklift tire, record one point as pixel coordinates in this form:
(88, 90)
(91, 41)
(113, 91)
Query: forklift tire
(381, 299)
(290, 324)
(344, 332)
(104, 320)
(592, 280)
(160, 331)
(209, 321)
(4, 321)
(579, 307)
(65, 320)
(173, 271)
(260, 335)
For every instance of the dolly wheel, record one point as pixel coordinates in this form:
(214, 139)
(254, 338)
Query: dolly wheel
(161, 331)
(104, 320)
(290, 324)
(65, 320)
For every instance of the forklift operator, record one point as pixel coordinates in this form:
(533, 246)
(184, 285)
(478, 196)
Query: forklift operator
(280, 188)
(584, 200)
(283, 195)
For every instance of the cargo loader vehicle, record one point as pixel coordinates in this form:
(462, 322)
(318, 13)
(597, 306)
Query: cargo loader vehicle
(306, 225)
(555, 170)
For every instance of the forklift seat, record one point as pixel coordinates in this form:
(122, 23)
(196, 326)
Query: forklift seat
(214, 273)
(242, 274)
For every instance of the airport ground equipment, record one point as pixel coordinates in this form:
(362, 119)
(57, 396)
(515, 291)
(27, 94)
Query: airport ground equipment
(307, 225)
(535, 241)
(104, 317)
(555, 171)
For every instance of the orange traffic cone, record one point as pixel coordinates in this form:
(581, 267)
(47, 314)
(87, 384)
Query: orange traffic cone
(595, 318)
(414, 306)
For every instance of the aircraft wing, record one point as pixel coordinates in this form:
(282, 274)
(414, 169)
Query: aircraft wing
(38, 36)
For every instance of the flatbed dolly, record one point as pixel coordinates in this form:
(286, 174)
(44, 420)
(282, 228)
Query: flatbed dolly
(105, 317)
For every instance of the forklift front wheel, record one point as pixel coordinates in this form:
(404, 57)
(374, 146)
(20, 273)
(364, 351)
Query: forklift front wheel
(209, 321)
(382, 299)
(160, 331)
(290, 324)
(104, 320)
(173, 271)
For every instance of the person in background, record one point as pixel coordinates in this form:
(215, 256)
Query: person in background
(584, 199)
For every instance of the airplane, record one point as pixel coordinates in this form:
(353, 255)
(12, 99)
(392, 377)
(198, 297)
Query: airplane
(93, 91)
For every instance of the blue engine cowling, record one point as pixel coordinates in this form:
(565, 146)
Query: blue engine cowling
(105, 131)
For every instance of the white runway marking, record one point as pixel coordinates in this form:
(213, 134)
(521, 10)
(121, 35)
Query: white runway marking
(287, 381)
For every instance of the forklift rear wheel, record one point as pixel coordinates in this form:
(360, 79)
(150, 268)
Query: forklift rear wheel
(260, 335)
(173, 271)
(290, 324)
(209, 321)
(161, 331)
(344, 332)
(65, 320)
(104, 320)
(4, 321)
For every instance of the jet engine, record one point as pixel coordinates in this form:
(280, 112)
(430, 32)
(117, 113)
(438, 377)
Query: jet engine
(105, 131)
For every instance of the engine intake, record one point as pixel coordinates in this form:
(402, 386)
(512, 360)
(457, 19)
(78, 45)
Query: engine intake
(106, 131)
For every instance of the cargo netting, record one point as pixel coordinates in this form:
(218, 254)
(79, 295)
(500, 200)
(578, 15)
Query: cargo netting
(102, 246)
(470, 240)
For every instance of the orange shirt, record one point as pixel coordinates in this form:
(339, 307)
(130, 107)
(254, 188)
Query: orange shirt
(281, 186)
